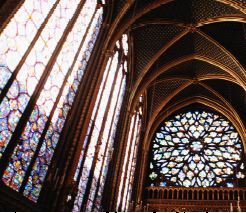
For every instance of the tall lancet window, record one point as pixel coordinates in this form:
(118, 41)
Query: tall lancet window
(44, 51)
(99, 142)
(130, 157)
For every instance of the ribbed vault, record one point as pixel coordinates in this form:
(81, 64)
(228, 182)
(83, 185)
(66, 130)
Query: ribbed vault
(175, 43)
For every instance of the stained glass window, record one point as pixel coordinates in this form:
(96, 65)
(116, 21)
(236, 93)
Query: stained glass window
(99, 142)
(126, 181)
(196, 149)
(32, 70)
(19, 33)
(46, 47)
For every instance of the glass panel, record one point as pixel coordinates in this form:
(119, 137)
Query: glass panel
(81, 187)
(93, 117)
(100, 134)
(41, 165)
(35, 126)
(134, 160)
(30, 73)
(130, 164)
(103, 149)
(125, 160)
(110, 148)
(197, 141)
(109, 78)
(19, 33)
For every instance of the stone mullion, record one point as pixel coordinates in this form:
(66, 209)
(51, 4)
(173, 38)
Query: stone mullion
(84, 156)
(120, 160)
(133, 159)
(107, 146)
(132, 67)
(72, 67)
(140, 158)
(73, 128)
(110, 193)
(41, 140)
(95, 158)
(86, 129)
(93, 126)
(23, 59)
(109, 198)
(27, 112)
(128, 158)
(118, 164)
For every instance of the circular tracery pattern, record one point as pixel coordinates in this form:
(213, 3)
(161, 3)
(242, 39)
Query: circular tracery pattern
(197, 149)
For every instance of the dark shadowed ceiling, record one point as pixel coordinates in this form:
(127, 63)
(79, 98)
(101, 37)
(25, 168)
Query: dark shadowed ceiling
(186, 48)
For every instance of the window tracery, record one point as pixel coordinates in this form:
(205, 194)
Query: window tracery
(196, 149)
(98, 145)
(130, 158)
(46, 47)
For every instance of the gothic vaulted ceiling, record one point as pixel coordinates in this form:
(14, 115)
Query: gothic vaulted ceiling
(186, 51)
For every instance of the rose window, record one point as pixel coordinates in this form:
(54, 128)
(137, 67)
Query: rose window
(196, 149)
